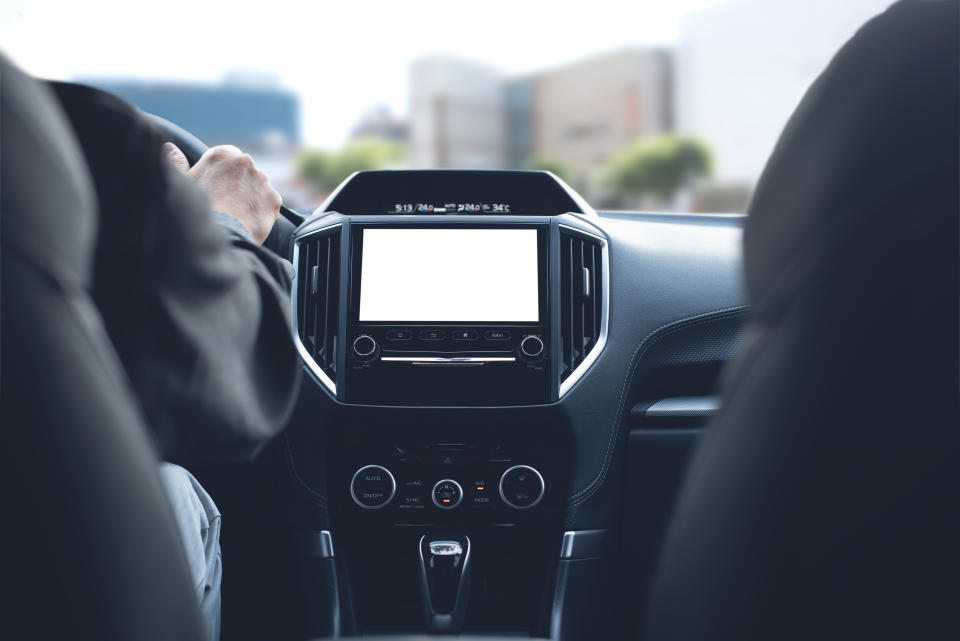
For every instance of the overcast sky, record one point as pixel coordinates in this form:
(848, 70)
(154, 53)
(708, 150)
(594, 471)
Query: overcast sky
(340, 56)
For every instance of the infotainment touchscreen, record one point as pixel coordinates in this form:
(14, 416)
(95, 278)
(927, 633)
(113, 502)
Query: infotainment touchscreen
(441, 275)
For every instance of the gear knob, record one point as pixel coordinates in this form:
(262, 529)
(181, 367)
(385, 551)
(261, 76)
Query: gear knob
(444, 581)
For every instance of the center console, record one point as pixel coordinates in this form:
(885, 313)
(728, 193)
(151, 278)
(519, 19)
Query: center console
(436, 327)
(395, 489)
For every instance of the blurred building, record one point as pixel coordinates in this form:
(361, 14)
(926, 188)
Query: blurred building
(253, 114)
(379, 121)
(467, 114)
(247, 109)
(743, 66)
(583, 113)
(456, 113)
(518, 103)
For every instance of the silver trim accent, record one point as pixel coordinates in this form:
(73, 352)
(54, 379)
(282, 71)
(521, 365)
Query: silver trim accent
(315, 544)
(567, 384)
(372, 349)
(684, 407)
(582, 544)
(449, 359)
(305, 356)
(393, 487)
(326, 544)
(433, 496)
(543, 487)
(536, 338)
(445, 548)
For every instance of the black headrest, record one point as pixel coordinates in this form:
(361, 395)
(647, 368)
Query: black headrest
(872, 145)
(822, 502)
(92, 550)
(49, 204)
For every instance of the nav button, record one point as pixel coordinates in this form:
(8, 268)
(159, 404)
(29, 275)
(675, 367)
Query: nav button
(497, 335)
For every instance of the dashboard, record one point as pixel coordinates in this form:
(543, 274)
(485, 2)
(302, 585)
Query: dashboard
(480, 348)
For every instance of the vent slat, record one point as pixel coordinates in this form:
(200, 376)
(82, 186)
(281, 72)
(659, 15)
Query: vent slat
(325, 322)
(571, 296)
(581, 298)
(597, 287)
(318, 270)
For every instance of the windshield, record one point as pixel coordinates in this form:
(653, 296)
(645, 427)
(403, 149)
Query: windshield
(671, 106)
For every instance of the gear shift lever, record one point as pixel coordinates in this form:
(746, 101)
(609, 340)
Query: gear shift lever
(444, 581)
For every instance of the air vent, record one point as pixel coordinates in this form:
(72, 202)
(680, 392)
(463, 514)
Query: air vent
(318, 298)
(582, 315)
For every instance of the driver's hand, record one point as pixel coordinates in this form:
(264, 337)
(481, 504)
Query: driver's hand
(235, 186)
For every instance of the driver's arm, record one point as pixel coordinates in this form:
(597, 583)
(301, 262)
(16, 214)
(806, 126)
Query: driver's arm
(200, 315)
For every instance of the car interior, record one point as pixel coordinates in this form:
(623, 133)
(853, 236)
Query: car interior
(523, 417)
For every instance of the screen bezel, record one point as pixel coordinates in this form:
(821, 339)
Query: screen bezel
(356, 276)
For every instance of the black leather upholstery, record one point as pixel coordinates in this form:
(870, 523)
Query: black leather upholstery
(824, 501)
(91, 550)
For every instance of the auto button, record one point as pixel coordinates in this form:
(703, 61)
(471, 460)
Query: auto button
(372, 487)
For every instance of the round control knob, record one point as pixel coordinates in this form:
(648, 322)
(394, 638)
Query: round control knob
(364, 347)
(372, 487)
(447, 494)
(521, 487)
(531, 347)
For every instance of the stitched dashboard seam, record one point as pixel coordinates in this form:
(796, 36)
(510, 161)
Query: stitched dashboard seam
(583, 494)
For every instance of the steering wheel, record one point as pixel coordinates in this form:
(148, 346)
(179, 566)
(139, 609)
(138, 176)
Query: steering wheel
(192, 147)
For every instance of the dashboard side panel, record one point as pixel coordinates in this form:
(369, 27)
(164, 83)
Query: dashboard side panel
(666, 272)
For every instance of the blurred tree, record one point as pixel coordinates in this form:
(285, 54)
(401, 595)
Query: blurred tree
(556, 167)
(326, 169)
(658, 166)
(316, 165)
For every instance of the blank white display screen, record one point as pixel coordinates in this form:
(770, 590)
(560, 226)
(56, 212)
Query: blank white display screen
(449, 275)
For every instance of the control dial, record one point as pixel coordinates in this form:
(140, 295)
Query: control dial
(372, 487)
(365, 347)
(531, 348)
(521, 487)
(447, 494)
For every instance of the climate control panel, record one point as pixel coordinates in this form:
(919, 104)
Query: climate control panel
(447, 478)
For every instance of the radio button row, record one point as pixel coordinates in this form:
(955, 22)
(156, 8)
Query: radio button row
(497, 335)
(399, 334)
(432, 335)
(465, 335)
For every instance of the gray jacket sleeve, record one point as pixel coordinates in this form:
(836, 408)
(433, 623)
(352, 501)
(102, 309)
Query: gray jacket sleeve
(199, 313)
(220, 371)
